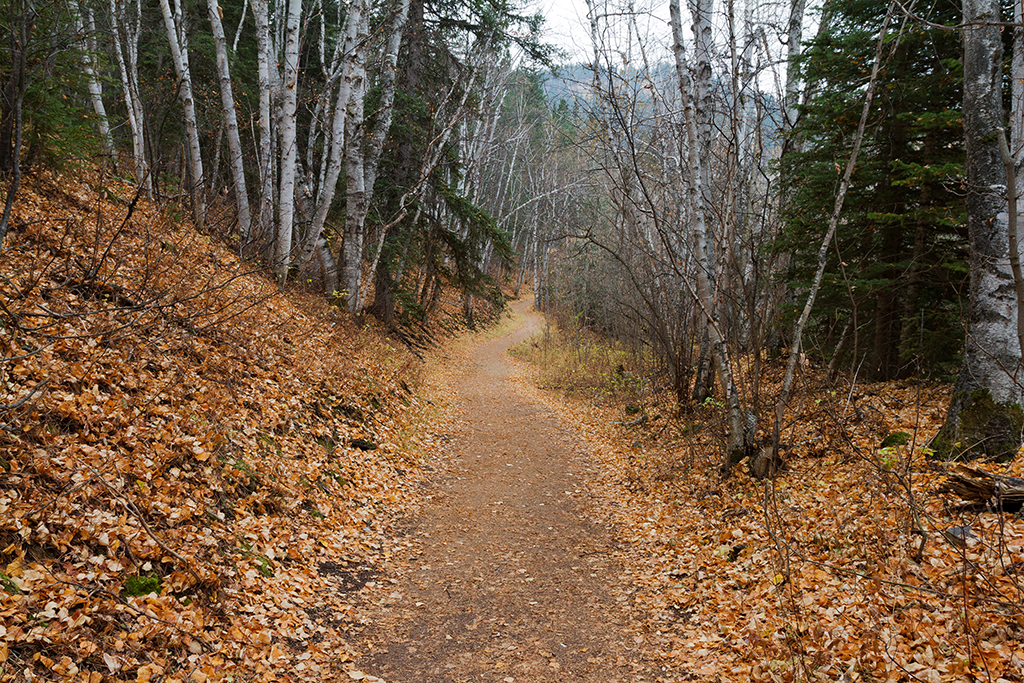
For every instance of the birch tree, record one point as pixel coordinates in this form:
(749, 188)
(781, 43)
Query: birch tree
(736, 446)
(265, 83)
(227, 98)
(125, 34)
(985, 415)
(83, 20)
(174, 24)
(289, 147)
(355, 179)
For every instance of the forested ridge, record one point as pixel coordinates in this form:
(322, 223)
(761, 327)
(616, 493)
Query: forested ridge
(777, 245)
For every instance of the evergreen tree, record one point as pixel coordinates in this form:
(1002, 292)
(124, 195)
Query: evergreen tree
(898, 262)
(446, 232)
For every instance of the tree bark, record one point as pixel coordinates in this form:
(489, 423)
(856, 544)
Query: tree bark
(179, 55)
(128, 67)
(844, 186)
(355, 180)
(985, 417)
(735, 447)
(289, 149)
(83, 21)
(352, 71)
(227, 99)
(260, 11)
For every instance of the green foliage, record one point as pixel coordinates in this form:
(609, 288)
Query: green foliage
(8, 585)
(899, 258)
(58, 127)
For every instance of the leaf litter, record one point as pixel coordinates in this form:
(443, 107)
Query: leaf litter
(187, 491)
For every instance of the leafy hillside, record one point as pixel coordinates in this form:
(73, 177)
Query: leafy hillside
(196, 468)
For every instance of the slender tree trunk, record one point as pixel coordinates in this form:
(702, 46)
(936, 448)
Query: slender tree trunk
(179, 55)
(352, 71)
(985, 416)
(794, 35)
(736, 447)
(355, 180)
(289, 144)
(89, 67)
(375, 146)
(21, 28)
(227, 99)
(260, 9)
(844, 186)
(129, 71)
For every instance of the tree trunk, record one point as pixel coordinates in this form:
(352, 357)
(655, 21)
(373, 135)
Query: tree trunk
(83, 21)
(227, 99)
(352, 71)
(289, 149)
(128, 67)
(21, 29)
(985, 417)
(844, 186)
(179, 55)
(736, 447)
(260, 11)
(793, 38)
(355, 180)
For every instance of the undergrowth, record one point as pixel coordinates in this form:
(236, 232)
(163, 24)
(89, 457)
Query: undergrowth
(578, 362)
(192, 460)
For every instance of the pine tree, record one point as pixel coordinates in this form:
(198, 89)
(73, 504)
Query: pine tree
(899, 258)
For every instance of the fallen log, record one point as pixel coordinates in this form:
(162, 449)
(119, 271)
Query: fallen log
(981, 486)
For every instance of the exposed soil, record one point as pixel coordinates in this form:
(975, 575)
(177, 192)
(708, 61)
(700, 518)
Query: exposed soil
(505, 578)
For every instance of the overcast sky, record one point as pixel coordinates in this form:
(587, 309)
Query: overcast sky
(567, 25)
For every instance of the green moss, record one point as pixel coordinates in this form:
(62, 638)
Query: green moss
(895, 439)
(264, 567)
(141, 585)
(984, 429)
(7, 583)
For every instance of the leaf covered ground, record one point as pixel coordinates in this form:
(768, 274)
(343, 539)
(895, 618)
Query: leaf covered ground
(205, 479)
(196, 471)
(851, 565)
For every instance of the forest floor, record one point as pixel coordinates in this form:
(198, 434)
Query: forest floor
(206, 477)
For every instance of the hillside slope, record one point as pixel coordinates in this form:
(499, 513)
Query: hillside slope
(195, 469)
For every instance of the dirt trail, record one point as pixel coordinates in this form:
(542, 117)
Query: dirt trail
(506, 580)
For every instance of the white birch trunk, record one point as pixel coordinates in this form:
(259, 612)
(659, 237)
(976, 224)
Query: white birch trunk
(703, 42)
(336, 142)
(355, 180)
(128, 69)
(88, 48)
(260, 9)
(289, 150)
(179, 55)
(705, 296)
(386, 107)
(227, 99)
(794, 35)
(435, 150)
